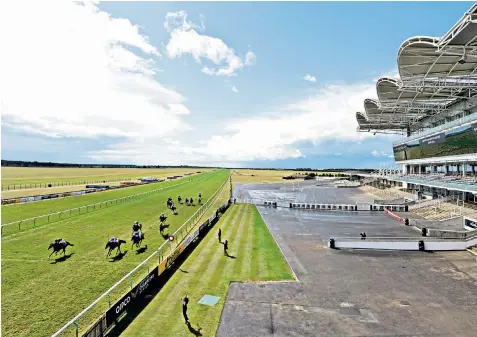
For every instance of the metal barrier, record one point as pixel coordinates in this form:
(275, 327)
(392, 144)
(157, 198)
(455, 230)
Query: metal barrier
(404, 243)
(165, 250)
(324, 207)
(57, 216)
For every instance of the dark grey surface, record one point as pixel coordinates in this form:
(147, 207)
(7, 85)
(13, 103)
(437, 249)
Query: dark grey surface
(304, 191)
(354, 293)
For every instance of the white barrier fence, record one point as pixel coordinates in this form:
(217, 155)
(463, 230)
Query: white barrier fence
(326, 207)
(349, 207)
(57, 216)
(161, 253)
(424, 243)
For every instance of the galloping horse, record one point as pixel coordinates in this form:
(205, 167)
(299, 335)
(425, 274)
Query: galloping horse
(59, 245)
(173, 208)
(114, 244)
(137, 239)
(162, 226)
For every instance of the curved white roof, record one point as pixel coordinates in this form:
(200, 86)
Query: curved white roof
(435, 73)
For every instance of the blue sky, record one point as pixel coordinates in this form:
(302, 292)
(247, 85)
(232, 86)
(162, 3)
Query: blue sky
(118, 82)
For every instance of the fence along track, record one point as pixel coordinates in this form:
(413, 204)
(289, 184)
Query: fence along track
(186, 228)
(58, 184)
(57, 216)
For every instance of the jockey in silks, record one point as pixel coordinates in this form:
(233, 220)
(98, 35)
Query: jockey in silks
(113, 239)
(137, 234)
(200, 195)
(60, 241)
(163, 217)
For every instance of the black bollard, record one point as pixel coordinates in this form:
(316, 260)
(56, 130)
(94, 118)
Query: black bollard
(332, 243)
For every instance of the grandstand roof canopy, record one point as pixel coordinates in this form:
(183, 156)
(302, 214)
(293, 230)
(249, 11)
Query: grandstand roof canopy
(435, 74)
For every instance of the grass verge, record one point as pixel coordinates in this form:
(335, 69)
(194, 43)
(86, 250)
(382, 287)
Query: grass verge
(15, 212)
(38, 297)
(256, 257)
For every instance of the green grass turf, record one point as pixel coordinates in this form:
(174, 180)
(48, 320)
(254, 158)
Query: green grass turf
(208, 271)
(32, 175)
(39, 297)
(15, 212)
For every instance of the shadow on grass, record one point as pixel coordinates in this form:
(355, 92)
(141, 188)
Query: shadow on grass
(141, 250)
(194, 331)
(61, 258)
(118, 257)
(153, 290)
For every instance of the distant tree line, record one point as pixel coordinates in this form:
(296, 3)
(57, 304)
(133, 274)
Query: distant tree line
(21, 163)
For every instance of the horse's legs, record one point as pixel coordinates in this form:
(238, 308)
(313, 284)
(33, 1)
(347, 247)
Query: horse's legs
(51, 253)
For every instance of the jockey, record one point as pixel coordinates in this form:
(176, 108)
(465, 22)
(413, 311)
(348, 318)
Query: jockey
(60, 241)
(113, 239)
(137, 234)
(200, 195)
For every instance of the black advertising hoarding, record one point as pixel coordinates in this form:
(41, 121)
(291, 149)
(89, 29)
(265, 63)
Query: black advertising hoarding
(205, 224)
(435, 139)
(98, 329)
(127, 300)
(470, 223)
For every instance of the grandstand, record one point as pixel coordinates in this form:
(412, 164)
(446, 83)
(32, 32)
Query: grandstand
(433, 106)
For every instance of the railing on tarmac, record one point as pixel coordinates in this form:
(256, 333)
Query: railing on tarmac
(161, 253)
(57, 216)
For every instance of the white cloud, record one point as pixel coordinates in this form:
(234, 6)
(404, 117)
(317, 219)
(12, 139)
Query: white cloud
(250, 58)
(234, 89)
(376, 153)
(67, 69)
(329, 114)
(338, 154)
(309, 78)
(184, 39)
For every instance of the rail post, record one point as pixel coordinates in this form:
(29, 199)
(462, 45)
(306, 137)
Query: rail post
(34, 222)
(76, 327)
(130, 281)
(109, 300)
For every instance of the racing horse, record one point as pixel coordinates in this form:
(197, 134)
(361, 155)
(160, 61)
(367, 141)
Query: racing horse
(137, 239)
(114, 244)
(59, 245)
(162, 226)
(173, 208)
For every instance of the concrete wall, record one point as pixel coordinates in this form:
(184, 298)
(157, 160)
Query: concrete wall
(447, 234)
(406, 245)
